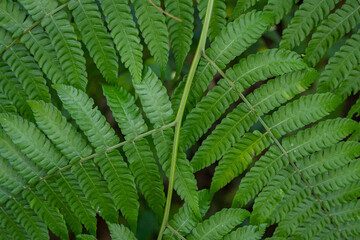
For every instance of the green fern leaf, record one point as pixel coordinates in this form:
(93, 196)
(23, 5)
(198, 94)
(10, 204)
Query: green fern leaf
(13, 228)
(28, 219)
(234, 125)
(279, 8)
(331, 30)
(340, 65)
(74, 148)
(96, 37)
(13, 18)
(247, 233)
(50, 215)
(32, 142)
(120, 232)
(41, 151)
(309, 15)
(218, 17)
(240, 7)
(141, 160)
(101, 136)
(350, 85)
(153, 28)
(6, 105)
(181, 33)
(232, 41)
(10, 179)
(13, 91)
(218, 225)
(236, 160)
(247, 72)
(125, 34)
(25, 68)
(157, 106)
(302, 144)
(63, 38)
(185, 219)
(354, 110)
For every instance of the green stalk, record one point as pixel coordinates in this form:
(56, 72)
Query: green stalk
(180, 114)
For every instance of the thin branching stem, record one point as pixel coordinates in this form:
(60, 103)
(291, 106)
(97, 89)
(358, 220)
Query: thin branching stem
(268, 130)
(164, 12)
(180, 114)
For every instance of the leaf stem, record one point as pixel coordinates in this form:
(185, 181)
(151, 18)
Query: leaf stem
(180, 114)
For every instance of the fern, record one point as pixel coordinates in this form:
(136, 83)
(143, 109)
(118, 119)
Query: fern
(157, 107)
(142, 163)
(331, 30)
(125, 35)
(218, 18)
(25, 69)
(212, 228)
(101, 135)
(245, 113)
(14, 19)
(153, 28)
(306, 18)
(340, 65)
(181, 33)
(233, 40)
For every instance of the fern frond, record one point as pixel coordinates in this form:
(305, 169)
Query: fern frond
(300, 145)
(241, 7)
(247, 233)
(32, 142)
(120, 232)
(331, 30)
(310, 167)
(309, 15)
(279, 8)
(141, 160)
(235, 124)
(10, 179)
(25, 68)
(350, 85)
(28, 219)
(236, 160)
(354, 110)
(125, 34)
(185, 219)
(218, 225)
(13, 228)
(341, 64)
(41, 151)
(10, 87)
(50, 215)
(181, 33)
(247, 72)
(6, 105)
(96, 38)
(13, 18)
(285, 120)
(218, 17)
(232, 41)
(101, 136)
(157, 106)
(301, 112)
(153, 28)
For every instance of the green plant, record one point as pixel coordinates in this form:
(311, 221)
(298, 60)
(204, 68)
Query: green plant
(282, 122)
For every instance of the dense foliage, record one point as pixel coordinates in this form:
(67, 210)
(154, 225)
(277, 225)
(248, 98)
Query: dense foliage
(252, 119)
